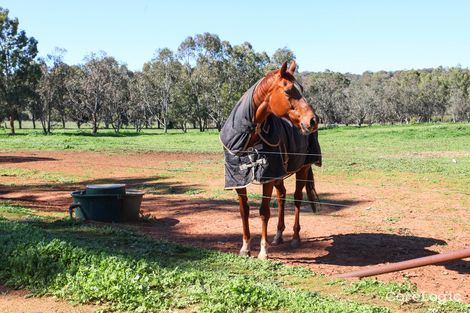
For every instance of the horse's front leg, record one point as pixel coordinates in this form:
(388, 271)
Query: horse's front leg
(299, 185)
(265, 213)
(245, 215)
(281, 200)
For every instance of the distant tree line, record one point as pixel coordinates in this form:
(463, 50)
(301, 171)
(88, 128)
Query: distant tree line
(197, 86)
(426, 95)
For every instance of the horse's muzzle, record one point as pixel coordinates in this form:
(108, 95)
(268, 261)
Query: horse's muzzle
(306, 130)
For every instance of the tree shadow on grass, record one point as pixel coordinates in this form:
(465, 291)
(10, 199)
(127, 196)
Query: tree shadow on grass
(114, 134)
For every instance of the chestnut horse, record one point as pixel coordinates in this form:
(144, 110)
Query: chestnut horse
(278, 93)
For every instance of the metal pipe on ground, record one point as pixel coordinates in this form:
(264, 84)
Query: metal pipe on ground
(404, 265)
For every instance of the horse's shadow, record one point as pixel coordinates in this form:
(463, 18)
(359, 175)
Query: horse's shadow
(365, 249)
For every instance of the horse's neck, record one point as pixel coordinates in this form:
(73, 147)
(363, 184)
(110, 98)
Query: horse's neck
(261, 100)
(260, 107)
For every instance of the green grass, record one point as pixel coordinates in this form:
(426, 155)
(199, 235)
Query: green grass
(45, 176)
(125, 270)
(121, 269)
(107, 140)
(431, 153)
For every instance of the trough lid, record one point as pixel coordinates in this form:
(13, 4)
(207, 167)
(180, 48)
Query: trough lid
(106, 186)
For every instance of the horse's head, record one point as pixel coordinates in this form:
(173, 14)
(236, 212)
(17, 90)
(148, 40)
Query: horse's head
(286, 99)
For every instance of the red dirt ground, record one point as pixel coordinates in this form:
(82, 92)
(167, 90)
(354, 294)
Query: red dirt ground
(377, 224)
(19, 301)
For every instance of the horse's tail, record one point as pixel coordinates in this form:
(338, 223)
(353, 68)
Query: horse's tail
(311, 192)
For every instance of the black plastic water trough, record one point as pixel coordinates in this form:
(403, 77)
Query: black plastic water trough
(106, 203)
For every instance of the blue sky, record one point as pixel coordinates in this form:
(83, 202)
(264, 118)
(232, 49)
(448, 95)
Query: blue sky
(346, 36)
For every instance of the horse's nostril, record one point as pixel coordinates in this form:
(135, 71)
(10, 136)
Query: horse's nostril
(313, 121)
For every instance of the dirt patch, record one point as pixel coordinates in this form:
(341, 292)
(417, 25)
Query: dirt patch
(374, 224)
(21, 301)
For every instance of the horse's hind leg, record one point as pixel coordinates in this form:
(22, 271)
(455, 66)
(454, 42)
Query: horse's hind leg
(245, 214)
(310, 188)
(299, 186)
(281, 200)
(265, 213)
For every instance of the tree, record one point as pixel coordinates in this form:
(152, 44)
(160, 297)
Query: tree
(97, 88)
(282, 55)
(52, 89)
(208, 71)
(162, 73)
(139, 106)
(245, 68)
(328, 95)
(361, 99)
(188, 57)
(17, 54)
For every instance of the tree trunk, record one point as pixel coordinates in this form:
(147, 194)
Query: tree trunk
(95, 123)
(43, 125)
(12, 124)
(63, 122)
(20, 122)
(49, 115)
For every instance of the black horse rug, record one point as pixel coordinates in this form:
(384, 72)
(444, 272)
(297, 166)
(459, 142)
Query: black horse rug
(280, 151)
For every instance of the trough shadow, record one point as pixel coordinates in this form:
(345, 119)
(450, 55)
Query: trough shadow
(23, 159)
(60, 197)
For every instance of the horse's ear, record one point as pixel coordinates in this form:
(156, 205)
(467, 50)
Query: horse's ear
(292, 67)
(283, 69)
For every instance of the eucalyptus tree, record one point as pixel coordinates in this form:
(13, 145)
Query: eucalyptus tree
(188, 58)
(98, 88)
(459, 105)
(116, 104)
(432, 96)
(205, 61)
(282, 55)
(361, 99)
(17, 66)
(211, 69)
(245, 67)
(458, 82)
(182, 108)
(140, 108)
(162, 73)
(328, 95)
(77, 111)
(52, 90)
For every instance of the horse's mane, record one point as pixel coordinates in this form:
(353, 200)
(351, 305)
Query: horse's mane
(265, 83)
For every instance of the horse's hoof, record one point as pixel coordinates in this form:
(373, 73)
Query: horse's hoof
(295, 243)
(244, 253)
(277, 241)
(262, 255)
